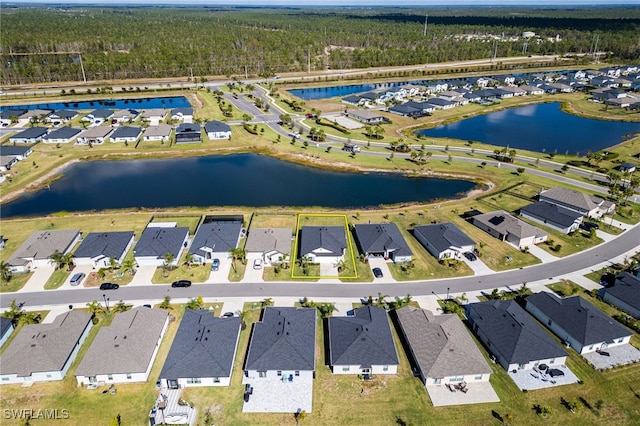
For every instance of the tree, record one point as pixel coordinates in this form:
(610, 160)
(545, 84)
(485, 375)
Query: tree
(237, 254)
(166, 303)
(57, 259)
(243, 317)
(95, 307)
(5, 271)
(121, 307)
(299, 416)
(266, 302)
(326, 309)
(128, 265)
(193, 304)
(67, 259)
(188, 259)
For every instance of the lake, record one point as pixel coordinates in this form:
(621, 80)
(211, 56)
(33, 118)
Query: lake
(315, 93)
(169, 102)
(540, 127)
(235, 180)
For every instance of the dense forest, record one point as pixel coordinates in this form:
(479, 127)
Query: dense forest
(47, 44)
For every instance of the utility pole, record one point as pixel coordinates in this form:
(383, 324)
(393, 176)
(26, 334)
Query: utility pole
(426, 20)
(84, 76)
(524, 48)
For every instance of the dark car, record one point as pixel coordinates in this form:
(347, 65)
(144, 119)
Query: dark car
(227, 315)
(215, 265)
(109, 286)
(470, 256)
(181, 283)
(588, 226)
(377, 272)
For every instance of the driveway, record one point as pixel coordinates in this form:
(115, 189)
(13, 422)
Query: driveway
(38, 279)
(541, 254)
(252, 275)
(478, 266)
(379, 262)
(222, 274)
(86, 269)
(143, 276)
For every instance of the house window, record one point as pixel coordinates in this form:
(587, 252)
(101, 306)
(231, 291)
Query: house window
(478, 377)
(385, 368)
(279, 373)
(552, 360)
(591, 347)
(262, 374)
(549, 322)
(48, 376)
(297, 373)
(456, 379)
(620, 340)
(345, 368)
(128, 376)
(216, 380)
(110, 377)
(437, 381)
(194, 380)
(5, 379)
(521, 366)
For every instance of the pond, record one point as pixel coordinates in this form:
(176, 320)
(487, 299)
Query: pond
(540, 127)
(169, 102)
(316, 93)
(235, 180)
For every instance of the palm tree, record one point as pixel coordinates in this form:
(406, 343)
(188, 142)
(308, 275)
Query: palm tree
(166, 303)
(121, 307)
(188, 258)
(113, 263)
(243, 316)
(237, 254)
(326, 309)
(67, 258)
(5, 271)
(95, 307)
(56, 258)
(267, 302)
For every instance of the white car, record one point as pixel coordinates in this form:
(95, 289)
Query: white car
(76, 279)
(257, 264)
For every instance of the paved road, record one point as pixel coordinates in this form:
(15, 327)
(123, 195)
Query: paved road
(627, 241)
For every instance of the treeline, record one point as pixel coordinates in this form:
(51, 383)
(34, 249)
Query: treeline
(129, 43)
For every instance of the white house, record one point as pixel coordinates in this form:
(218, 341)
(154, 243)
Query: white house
(584, 204)
(62, 135)
(126, 134)
(553, 216)
(505, 227)
(323, 244)
(443, 240)
(272, 245)
(159, 240)
(98, 248)
(37, 248)
(382, 240)
(95, 135)
(160, 132)
(624, 293)
(217, 130)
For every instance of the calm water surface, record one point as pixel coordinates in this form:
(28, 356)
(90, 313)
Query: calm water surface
(235, 180)
(540, 127)
(140, 103)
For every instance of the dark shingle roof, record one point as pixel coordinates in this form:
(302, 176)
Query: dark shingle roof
(217, 236)
(380, 237)
(440, 344)
(330, 238)
(160, 241)
(579, 318)
(552, 213)
(443, 236)
(63, 133)
(627, 289)
(216, 126)
(8, 113)
(183, 111)
(513, 333)
(101, 113)
(285, 339)
(5, 325)
(188, 128)
(66, 114)
(14, 150)
(364, 339)
(126, 132)
(353, 99)
(204, 346)
(31, 133)
(109, 244)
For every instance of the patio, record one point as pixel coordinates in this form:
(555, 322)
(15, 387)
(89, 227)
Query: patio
(477, 393)
(168, 411)
(272, 395)
(532, 380)
(618, 355)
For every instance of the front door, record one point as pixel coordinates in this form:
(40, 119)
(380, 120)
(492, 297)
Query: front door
(173, 384)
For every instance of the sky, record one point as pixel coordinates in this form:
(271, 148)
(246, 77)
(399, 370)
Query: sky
(424, 3)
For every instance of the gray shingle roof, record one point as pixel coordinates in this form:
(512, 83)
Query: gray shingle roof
(31, 133)
(443, 236)
(44, 347)
(513, 333)
(579, 318)
(101, 113)
(204, 346)
(188, 128)
(504, 223)
(570, 197)
(159, 130)
(42, 244)
(8, 113)
(125, 346)
(627, 289)
(126, 132)
(266, 240)
(381, 237)
(440, 344)
(330, 238)
(181, 111)
(216, 126)
(109, 244)
(66, 114)
(160, 241)
(14, 150)
(364, 339)
(97, 132)
(552, 213)
(284, 339)
(216, 236)
(63, 133)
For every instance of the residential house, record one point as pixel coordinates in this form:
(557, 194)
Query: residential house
(124, 351)
(440, 103)
(30, 135)
(156, 242)
(182, 114)
(366, 116)
(382, 240)
(95, 135)
(37, 248)
(99, 248)
(160, 132)
(502, 93)
(586, 205)
(11, 115)
(627, 168)
(323, 244)
(35, 115)
(20, 152)
(532, 90)
(98, 116)
(125, 116)
(155, 116)
(353, 100)
(188, 133)
(514, 339)
(362, 343)
(126, 134)
(6, 328)
(44, 352)
(202, 352)
(272, 245)
(282, 344)
(517, 91)
(62, 116)
(444, 240)
(553, 216)
(215, 239)
(217, 130)
(62, 135)
(577, 322)
(624, 293)
(7, 161)
(505, 227)
(441, 348)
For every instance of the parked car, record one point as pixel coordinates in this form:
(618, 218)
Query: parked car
(588, 226)
(470, 256)
(109, 286)
(76, 279)
(215, 265)
(181, 283)
(377, 272)
(257, 264)
(227, 315)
